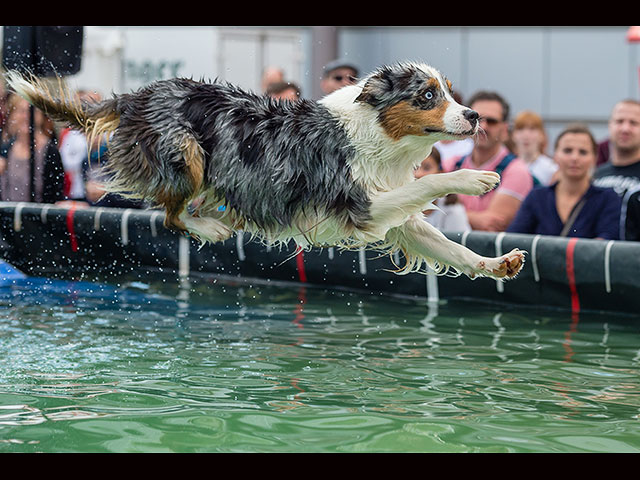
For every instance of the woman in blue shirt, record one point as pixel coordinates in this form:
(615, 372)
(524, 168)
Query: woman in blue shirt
(571, 206)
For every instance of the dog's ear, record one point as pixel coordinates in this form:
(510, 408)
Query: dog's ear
(389, 85)
(376, 89)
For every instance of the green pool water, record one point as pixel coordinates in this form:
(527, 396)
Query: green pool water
(216, 366)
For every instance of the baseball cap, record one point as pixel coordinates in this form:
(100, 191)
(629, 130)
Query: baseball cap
(339, 63)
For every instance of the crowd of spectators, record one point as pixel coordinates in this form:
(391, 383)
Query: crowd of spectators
(579, 188)
(39, 163)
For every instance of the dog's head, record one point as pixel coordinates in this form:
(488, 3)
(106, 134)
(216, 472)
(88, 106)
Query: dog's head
(416, 99)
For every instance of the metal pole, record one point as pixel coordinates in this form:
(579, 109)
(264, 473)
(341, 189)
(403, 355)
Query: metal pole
(324, 49)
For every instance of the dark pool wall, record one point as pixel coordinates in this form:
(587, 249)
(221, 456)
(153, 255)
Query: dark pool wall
(579, 275)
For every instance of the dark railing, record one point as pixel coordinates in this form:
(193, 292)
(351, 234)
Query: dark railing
(572, 274)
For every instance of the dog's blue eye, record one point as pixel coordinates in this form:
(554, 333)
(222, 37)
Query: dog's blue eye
(428, 95)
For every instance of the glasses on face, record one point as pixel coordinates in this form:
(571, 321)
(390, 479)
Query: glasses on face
(340, 78)
(490, 121)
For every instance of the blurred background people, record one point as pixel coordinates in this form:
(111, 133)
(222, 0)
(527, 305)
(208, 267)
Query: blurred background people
(572, 206)
(494, 210)
(271, 75)
(15, 157)
(337, 74)
(4, 96)
(284, 91)
(529, 140)
(622, 171)
(73, 151)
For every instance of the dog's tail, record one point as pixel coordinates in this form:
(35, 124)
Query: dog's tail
(60, 104)
(165, 173)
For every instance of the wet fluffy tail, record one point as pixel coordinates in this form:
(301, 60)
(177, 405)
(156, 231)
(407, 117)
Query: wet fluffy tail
(61, 105)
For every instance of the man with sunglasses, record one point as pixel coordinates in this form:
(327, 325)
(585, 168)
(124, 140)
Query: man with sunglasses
(495, 210)
(338, 74)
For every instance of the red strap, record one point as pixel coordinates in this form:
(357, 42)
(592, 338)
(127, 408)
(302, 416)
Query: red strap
(66, 190)
(63, 134)
(71, 229)
(300, 265)
(571, 276)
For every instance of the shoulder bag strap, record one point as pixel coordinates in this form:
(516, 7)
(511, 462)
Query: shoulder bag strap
(572, 218)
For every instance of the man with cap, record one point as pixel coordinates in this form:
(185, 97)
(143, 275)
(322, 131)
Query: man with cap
(338, 74)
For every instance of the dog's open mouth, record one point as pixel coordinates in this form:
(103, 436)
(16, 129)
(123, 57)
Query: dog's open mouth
(460, 135)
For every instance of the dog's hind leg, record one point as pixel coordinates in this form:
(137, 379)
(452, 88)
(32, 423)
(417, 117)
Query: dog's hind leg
(174, 207)
(420, 242)
(206, 229)
(185, 178)
(191, 175)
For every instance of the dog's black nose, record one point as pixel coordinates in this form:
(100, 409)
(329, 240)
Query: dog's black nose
(471, 116)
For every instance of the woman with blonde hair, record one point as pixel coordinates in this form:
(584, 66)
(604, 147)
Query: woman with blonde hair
(529, 140)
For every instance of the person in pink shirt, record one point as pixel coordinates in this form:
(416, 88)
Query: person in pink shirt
(495, 210)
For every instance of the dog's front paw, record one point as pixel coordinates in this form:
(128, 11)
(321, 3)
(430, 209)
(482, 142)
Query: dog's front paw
(504, 267)
(477, 182)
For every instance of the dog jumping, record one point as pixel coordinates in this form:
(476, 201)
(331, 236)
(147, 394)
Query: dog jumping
(333, 172)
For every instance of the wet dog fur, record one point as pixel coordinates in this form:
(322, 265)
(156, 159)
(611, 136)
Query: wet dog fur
(333, 172)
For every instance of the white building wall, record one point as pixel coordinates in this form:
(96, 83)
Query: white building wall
(564, 73)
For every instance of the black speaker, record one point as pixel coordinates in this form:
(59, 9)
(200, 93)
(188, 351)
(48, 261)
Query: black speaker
(42, 50)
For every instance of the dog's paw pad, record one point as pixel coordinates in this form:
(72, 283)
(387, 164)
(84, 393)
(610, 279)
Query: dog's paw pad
(509, 265)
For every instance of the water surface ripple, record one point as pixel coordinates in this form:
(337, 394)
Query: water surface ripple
(215, 366)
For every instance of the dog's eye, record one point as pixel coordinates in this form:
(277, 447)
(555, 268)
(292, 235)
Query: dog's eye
(428, 95)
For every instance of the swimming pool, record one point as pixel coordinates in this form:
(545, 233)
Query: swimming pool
(161, 364)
